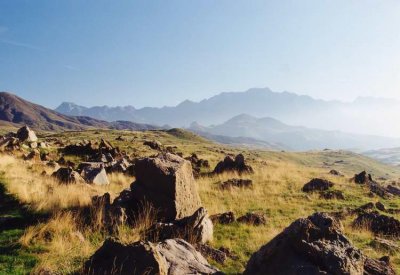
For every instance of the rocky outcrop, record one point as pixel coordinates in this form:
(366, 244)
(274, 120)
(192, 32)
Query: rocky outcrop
(317, 185)
(172, 257)
(362, 178)
(378, 224)
(313, 245)
(233, 165)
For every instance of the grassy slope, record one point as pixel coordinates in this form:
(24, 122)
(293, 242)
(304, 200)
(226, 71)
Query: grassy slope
(277, 183)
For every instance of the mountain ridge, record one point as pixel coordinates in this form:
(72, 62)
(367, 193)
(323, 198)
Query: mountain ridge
(15, 111)
(362, 116)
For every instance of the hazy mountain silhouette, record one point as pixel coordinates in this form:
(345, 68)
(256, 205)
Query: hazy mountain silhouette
(364, 115)
(273, 131)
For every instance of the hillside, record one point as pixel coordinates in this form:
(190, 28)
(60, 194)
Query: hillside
(15, 111)
(274, 132)
(66, 242)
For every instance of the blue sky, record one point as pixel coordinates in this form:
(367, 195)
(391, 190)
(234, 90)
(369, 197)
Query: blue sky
(154, 53)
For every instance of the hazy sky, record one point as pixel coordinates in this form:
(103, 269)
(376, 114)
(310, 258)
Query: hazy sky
(153, 53)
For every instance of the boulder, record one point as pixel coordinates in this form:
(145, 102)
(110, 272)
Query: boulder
(378, 224)
(25, 134)
(210, 252)
(379, 190)
(253, 219)
(233, 165)
(197, 228)
(109, 216)
(380, 206)
(33, 155)
(94, 173)
(172, 257)
(68, 175)
(154, 144)
(167, 183)
(362, 178)
(313, 245)
(317, 185)
(223, 218)
(240, 183)
(378, 267)
(393, 190)
(335, 173)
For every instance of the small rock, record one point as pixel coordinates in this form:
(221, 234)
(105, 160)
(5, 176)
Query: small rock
(240, 183)
(317, 185)
(253, 219)
(223, 218)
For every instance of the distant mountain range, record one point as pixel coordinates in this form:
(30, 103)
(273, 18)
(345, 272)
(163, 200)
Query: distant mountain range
(278, 134)
(362, 116)
(15, 111)
(238, 129)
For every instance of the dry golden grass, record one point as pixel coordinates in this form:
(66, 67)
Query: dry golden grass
(44, 193)
(276, 192)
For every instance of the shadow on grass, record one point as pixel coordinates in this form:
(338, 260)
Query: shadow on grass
(14, 218)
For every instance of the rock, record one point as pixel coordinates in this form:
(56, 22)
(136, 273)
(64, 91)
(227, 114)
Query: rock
(378, 224)
(26, 134)
(94, 172)
(378, 267)
(197, 163)
(212, 253)
(313, 245)
(253, 219)
(335, 173)
(233, 165)
(79, 149)
(197, 228)
(332, 194)
(385, 245)
(317, 185)
(224, 218)
(68, 175)
(119, 166)
(167, 183)
(393, 190)
(53, 165)
(109, 216)
(380, 206)
(240, 183)
(154, 144)
(379, 190)
(33, 145)
(33, 155)
(172, 257)
(362, 178)
(10, 144)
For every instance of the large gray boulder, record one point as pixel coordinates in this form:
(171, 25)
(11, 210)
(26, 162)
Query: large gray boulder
(167, 183)
(172, 257)
(314, 245)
